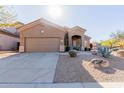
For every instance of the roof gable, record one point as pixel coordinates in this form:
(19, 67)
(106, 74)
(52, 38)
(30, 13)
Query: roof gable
(78, 28)
(42, 22)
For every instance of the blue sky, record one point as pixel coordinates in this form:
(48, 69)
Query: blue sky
(99, 21)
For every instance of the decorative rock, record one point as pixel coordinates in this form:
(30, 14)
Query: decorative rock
(96, 61)
(94, 52)
(100, 63)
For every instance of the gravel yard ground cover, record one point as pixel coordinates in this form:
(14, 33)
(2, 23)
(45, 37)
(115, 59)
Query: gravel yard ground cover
(79, 69)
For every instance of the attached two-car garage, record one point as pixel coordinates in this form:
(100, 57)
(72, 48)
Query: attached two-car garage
(42, 44)
(42, 36)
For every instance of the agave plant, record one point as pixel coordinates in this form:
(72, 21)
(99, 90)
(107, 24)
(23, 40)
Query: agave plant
(105, 52)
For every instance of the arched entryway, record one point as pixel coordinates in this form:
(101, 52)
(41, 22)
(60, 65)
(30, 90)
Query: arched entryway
(76, 42)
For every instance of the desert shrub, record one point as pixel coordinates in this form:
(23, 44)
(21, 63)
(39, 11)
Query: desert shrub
(87, 49)
(73, 53)
(115, 49)
(76, 48)
(67, 48)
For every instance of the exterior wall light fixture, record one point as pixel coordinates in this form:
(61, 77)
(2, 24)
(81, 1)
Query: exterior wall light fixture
(42, 31)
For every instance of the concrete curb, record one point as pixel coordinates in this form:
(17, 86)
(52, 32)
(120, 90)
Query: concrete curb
(63, 85)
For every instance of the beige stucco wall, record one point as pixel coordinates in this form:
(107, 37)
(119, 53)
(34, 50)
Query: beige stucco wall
(76, 32)
(87, 42)
(8, 42)
(42, 30)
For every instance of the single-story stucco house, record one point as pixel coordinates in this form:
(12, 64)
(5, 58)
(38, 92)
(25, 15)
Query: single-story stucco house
(44, 36)
(8, 40)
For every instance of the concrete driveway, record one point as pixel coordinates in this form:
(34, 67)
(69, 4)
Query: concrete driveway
(28, 68)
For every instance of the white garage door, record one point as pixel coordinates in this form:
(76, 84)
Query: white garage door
(42, 44)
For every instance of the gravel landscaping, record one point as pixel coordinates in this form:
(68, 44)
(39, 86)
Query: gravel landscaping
(79, 69)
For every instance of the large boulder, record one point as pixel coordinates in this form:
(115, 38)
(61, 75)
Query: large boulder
(100, 63)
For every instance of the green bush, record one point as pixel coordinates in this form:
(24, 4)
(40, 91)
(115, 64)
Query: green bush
(76, 48)
(87, 49)
(67, 48)
(115, 49)
(73, 53)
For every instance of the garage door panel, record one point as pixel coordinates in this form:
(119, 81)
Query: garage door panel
(42, 44)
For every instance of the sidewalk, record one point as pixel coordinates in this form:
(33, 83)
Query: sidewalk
(64, 85)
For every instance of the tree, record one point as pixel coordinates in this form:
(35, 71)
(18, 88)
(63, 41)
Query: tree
(7, 16)
(118, 35)
(116, 40)
(108, 43)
